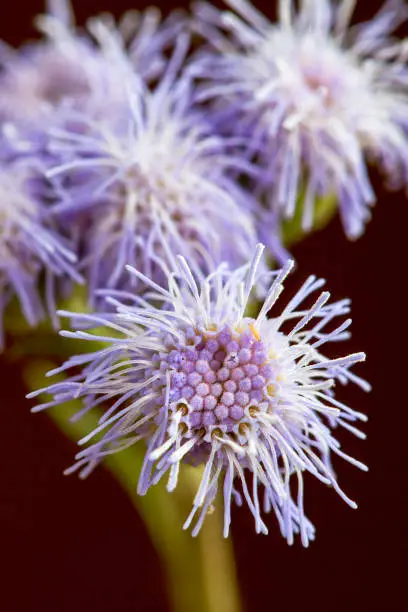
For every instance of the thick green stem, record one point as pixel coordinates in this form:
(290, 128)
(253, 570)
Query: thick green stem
(200, 571)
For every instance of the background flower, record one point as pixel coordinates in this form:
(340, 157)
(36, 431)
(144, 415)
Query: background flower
(313, 97)
(78, 67)
(30, 245)
(150, 181)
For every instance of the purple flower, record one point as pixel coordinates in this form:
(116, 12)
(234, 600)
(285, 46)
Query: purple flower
(150, 181)
(80, 69)
(30, 247)
(204, 384)
(313, 98)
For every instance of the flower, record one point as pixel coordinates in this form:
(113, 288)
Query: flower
(314, 99)
(204, 384)
(80, 69)
(150, 181)
(29, 243)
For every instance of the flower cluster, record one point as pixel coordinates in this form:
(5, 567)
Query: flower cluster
(311, 98)
(147, 158)
(203, 383)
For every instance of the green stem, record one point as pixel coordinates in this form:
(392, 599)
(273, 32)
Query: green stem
(218, 563)
(200, 571)
(324, 210)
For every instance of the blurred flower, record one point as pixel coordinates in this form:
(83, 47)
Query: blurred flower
(202, 383)
(80, 69)
(313, 98)
(29, 244)
(150, 181)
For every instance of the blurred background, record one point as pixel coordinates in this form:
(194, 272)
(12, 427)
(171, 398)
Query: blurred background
(70, 545)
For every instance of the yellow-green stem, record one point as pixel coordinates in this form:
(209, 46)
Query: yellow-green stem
(324, 210)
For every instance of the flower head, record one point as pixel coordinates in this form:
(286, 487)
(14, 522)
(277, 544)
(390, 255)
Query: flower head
(79, 68)
(202, 383)
(313, 98)
(29, 242)
(150, 181)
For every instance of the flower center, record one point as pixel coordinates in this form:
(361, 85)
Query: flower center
(221, 378)
(327, 72)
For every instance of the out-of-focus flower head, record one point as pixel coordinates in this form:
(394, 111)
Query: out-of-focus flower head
(202, 383)
(150, 181)
(313, 96)
(32, 253)
(79, 68)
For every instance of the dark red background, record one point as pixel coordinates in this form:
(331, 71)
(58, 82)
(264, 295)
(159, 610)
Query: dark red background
(68, 545)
